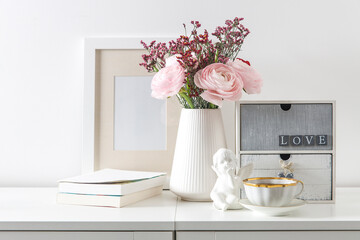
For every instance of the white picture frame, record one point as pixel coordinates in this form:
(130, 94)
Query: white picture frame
(91, 45)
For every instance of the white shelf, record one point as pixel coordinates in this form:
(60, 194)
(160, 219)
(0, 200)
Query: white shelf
(35, 209)
(343, 215)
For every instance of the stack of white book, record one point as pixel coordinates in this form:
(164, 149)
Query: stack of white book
(110, 188)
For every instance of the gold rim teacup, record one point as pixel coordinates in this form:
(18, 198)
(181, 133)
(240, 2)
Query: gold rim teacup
(272, 191)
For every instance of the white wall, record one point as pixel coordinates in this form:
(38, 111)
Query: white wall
(304, 50)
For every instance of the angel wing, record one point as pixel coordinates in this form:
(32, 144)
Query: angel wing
(244, 173)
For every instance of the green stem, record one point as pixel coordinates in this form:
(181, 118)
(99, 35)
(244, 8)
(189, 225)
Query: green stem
(155, 69)
(217, 55)
(187, 99)
(212, 105)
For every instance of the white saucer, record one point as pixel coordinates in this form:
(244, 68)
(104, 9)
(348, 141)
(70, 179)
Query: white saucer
(274, 211)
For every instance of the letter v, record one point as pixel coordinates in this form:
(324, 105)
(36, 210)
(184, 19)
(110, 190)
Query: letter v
(309, 141)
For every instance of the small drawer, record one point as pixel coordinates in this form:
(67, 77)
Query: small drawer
(274, 127)
(314, 170)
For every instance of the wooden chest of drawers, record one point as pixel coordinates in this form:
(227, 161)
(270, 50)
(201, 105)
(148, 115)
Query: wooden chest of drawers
(297, 132)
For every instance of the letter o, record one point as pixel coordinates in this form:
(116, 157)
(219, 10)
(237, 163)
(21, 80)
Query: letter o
(296, 140)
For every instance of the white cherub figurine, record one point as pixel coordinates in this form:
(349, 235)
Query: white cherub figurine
(226, 192)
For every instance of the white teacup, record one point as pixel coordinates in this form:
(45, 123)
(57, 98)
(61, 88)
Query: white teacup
(272, 191)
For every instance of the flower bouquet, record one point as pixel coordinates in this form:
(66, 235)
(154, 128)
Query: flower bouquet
(200, 72)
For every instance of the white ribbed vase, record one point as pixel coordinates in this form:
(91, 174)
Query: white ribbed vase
(200, 135)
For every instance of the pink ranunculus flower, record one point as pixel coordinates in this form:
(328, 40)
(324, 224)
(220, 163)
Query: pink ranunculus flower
(168, 81)
(251, 78)
(220, 82)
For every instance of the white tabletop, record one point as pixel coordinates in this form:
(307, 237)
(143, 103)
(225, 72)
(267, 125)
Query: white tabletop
(343, 215)
(36, 209)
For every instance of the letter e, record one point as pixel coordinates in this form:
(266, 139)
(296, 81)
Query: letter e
(321, 140)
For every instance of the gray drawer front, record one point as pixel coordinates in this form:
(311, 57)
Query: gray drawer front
(35, 235)
(315, 170)
(262, 124)
(287, 235)
(270, 235)
(62, 235)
